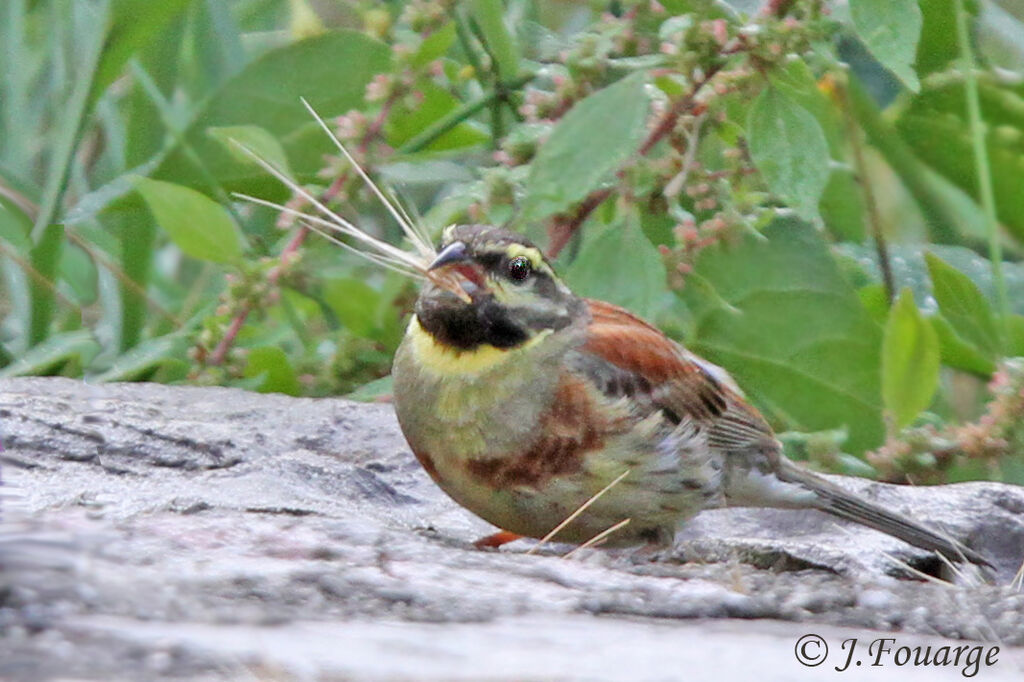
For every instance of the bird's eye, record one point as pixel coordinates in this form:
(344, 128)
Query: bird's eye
(519, 268)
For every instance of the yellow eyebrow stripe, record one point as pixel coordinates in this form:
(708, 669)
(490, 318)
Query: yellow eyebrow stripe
(530, 253)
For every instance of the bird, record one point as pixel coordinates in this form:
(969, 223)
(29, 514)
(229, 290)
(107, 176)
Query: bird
(525, 403)
(554, 416)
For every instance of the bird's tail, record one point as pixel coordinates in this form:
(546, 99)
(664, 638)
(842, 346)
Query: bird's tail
(847, 505)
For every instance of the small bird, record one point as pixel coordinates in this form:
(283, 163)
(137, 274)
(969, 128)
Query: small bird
(554, 416)
(524, 401)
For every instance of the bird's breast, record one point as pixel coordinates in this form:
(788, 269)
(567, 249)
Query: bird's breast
(465, 405)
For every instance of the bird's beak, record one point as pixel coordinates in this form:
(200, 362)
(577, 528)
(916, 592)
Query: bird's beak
(455, 258)
(452, 254)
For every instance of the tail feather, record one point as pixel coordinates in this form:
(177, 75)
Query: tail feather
(846, 505)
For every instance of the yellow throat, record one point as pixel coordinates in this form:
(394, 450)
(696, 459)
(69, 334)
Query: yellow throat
(447, 361)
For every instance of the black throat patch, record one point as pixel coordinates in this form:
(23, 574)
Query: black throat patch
(466, 327)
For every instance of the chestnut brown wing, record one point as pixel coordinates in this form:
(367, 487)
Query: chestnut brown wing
(625, 356)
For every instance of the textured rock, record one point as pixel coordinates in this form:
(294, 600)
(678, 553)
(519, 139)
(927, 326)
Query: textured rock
(154, 532)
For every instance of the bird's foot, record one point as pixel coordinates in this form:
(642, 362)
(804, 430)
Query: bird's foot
(498, 539)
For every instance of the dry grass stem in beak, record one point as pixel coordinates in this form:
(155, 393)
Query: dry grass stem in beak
(414, 264)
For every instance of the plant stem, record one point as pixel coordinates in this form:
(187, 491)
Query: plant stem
(564, 226)
(443, 125)
(497, 125)
(981, 162)
(220, 353)
(853, 133)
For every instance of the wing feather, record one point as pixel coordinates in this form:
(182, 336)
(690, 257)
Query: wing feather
(625, 356)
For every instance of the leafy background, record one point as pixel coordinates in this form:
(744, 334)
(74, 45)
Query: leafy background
(822, 197)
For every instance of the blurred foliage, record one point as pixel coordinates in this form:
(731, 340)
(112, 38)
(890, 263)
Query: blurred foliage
(815, 195)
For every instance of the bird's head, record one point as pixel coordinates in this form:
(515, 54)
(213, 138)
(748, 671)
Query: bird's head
(509, 291)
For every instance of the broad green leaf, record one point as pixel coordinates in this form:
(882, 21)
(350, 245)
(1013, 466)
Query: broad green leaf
(789, 148)
(909, 269)
(354, 302)
(586, 147)
(436, 104)
(489, 16)
(938, 45)
(620, 265)
(939, 112)
(779, 315)
(272, 365)
(434, 46)
(963, 305)
(797, 81)
(890, 29)
(331, 71)
(910, 361)
(49, 356)
(957, 353)
(875, 301)
(255, 140)
(842, 206)
(198, 225)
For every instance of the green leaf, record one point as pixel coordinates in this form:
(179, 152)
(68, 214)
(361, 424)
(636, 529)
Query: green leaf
(620, 265)
(789, 148)
(135, 25)
(780, 316)
(938, 45)
(218, 50)
(434, 46)
(890, 29)
(957, 353)
(50, 355)
(271, 363)
(77, 269)
(44, 258)
(940, 113)
(15, 226)
(501, 44)
(256, 140)
(909, 269)
(145, 358)
(586, 147)
(145, 115)
(72, 114)
(1015, 328)
(964, 306)
(910, 361)
(331, 71)
(136, 231)
(875, 302)
(842, 206)
(373, 391)
(354, 302)
(437, 103)
(198, 225)
(797, 81)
